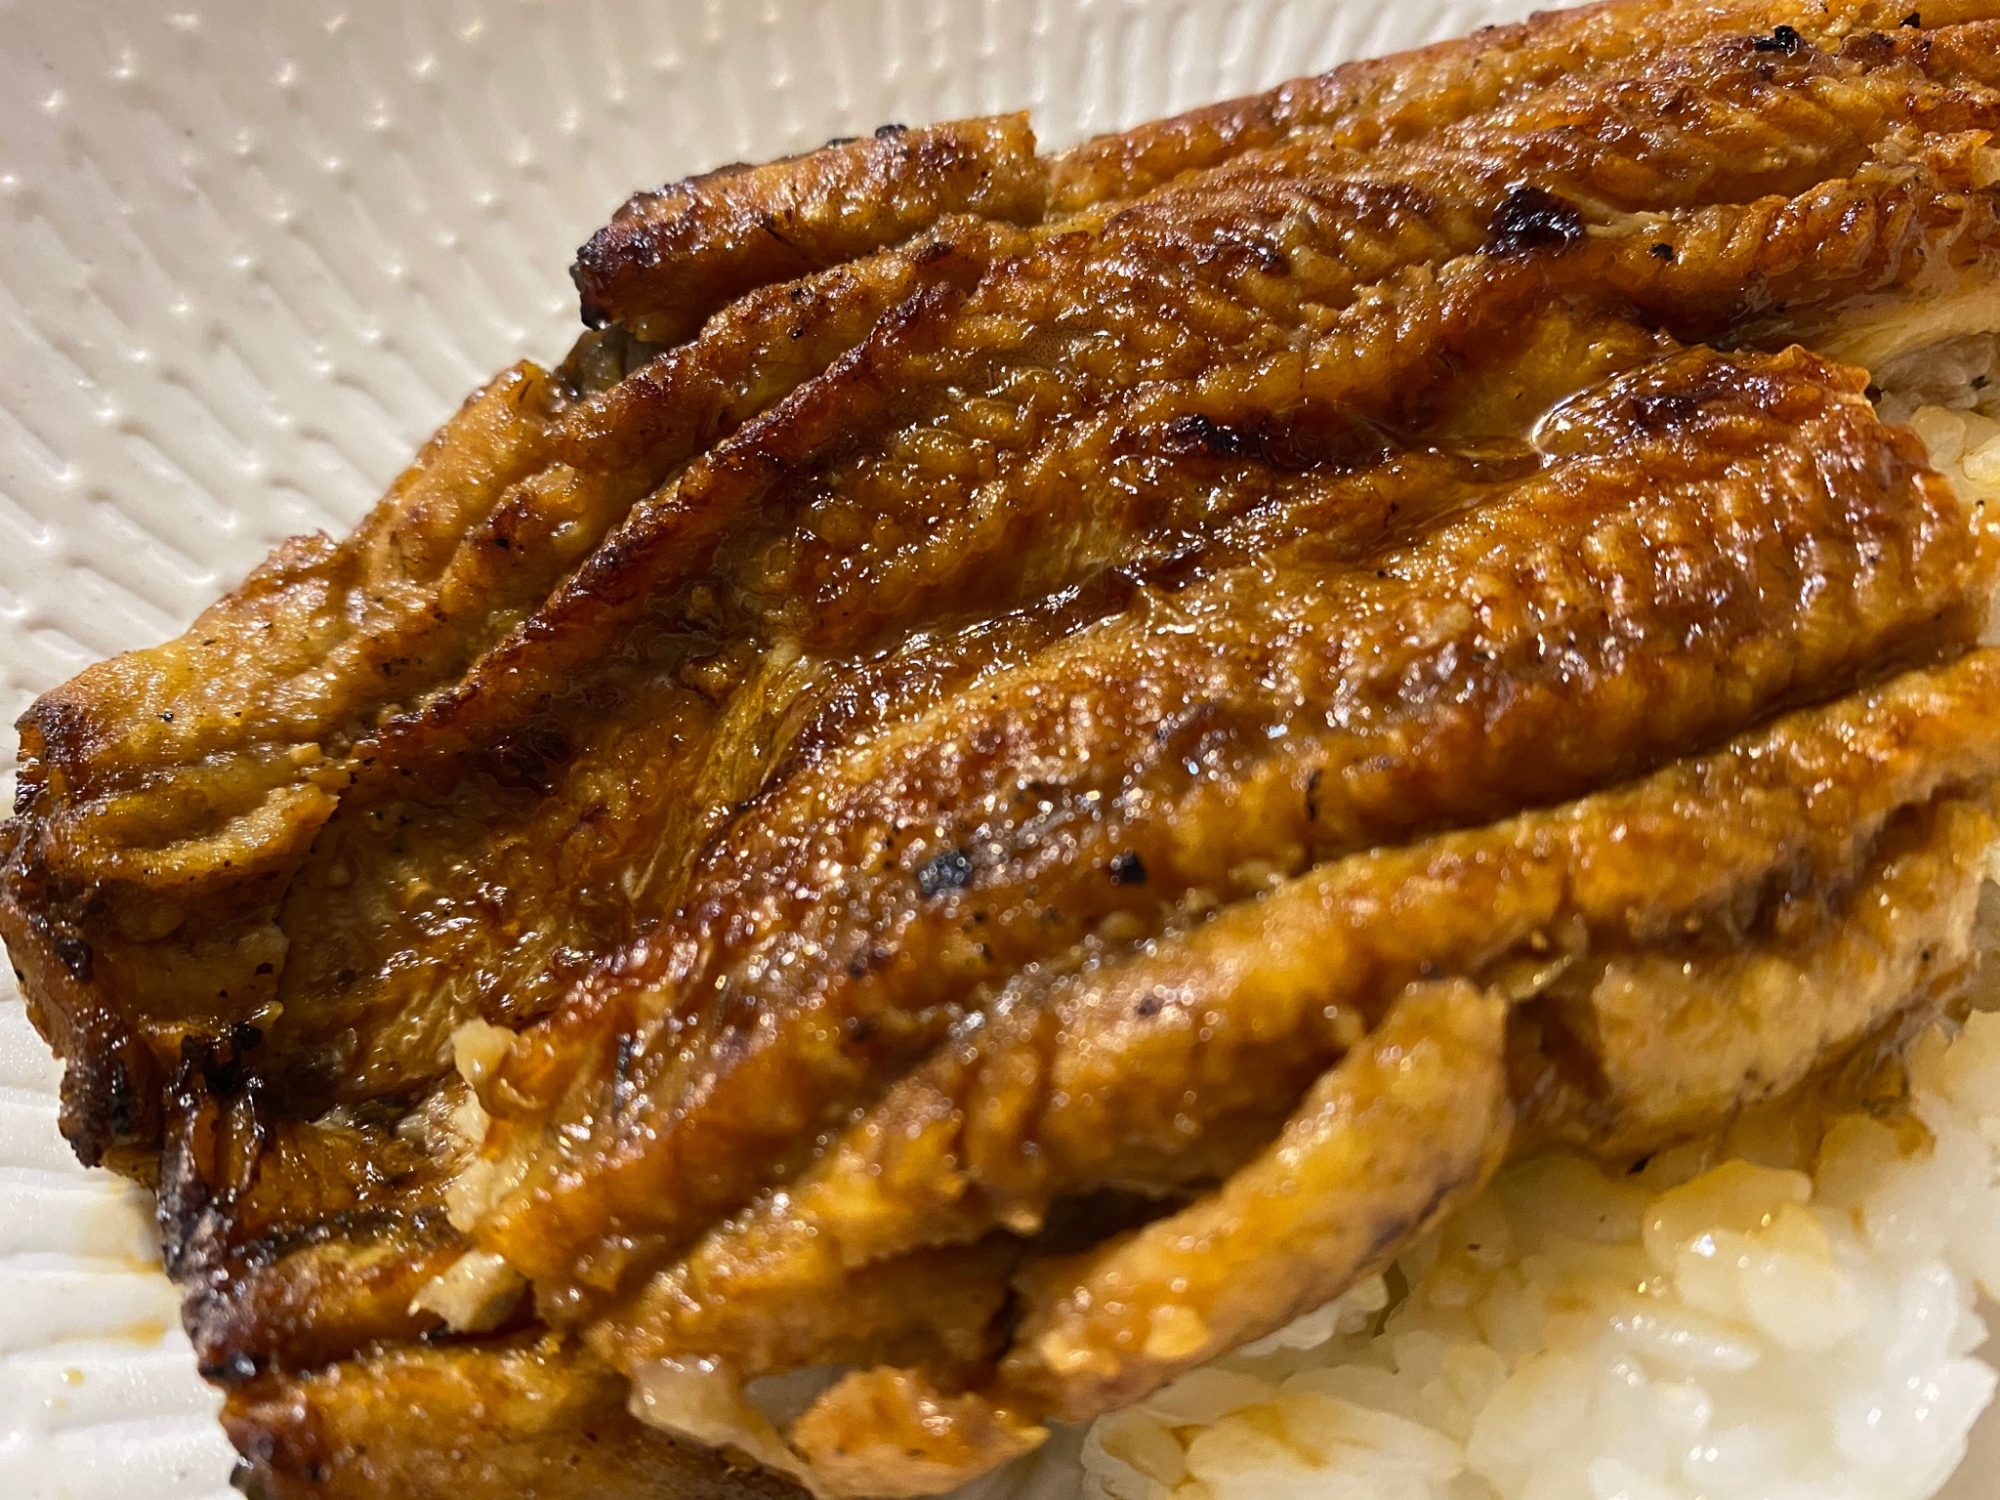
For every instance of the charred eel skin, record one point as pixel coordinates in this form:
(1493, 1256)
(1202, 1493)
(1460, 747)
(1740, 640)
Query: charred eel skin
(1024, 764)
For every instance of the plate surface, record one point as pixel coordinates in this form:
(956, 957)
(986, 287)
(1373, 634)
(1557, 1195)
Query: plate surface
(251, 254)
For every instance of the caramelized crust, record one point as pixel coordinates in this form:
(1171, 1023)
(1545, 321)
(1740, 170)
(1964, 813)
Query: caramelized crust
(526, 1419)
(1026, 764)
(1140, 1072)
(670, 259)
(1506, 654)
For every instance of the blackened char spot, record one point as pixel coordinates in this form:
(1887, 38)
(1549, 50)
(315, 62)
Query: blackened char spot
(232, 1369)
(769, 223)
(1128, 869)
(219, 1064)
(1663, 408)
(121, 1103)
(594, 314)
(76, 957)
(1783, 39)
(527, 759)
(1530, 219)
(882, 131)
(1659, 410)
(1198, 434)
(222, 1075)
(949, 871)
(121, 1100)
(110, 1091)
(1914, 20)
(1313, 435)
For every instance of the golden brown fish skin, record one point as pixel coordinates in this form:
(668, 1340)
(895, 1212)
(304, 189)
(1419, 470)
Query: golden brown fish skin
(1863, 263)
(1122, 1073)
(888, 1433)
(1226, 1270)
(1413, 95)
(1147, 1307)
(750, 494)
(297, 1242)
(515, 1419)
(316, 1303)
(564, 640)
(1455, 656)
(470, 732)
(1677, 1045)
(1119, 1321)
(152, 923)
(99, 866)
(1388, 1142)
(1710, 123)
(1386, 1145)
(670, 259)
(625, 770)
(297, 807)
(1967, 51)
(880, 316)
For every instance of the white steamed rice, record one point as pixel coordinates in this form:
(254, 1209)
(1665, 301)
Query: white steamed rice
(1950, 395)
(1723, 1324)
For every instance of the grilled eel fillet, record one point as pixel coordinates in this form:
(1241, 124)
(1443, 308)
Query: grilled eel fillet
(1024, 765)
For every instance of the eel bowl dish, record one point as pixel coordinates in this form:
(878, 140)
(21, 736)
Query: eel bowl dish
(1026, 770)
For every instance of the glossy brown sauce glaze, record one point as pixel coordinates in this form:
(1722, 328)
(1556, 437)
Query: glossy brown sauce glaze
(1026, 764)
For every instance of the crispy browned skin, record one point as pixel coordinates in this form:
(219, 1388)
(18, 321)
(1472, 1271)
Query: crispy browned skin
(1236, 1016)
(1046, 757)
(670, 259)
(1425, 680)
(523, 1418)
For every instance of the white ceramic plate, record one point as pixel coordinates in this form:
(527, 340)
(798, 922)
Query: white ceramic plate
(251, 254)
